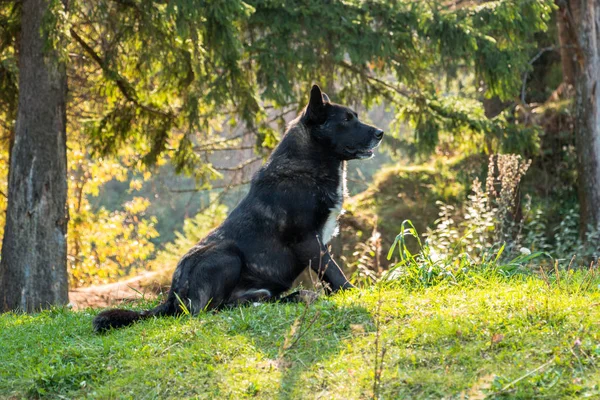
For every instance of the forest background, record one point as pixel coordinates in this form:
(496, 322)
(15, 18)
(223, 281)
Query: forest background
(489, 109)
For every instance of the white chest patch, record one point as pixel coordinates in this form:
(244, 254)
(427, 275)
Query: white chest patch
(330, 228)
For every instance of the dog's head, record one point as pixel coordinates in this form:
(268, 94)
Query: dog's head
(339, 129)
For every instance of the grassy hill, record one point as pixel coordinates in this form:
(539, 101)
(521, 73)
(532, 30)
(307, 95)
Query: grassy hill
(401, 192)
(485, 337)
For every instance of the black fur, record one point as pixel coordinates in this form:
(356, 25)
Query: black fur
(115, 319)
(282, 225)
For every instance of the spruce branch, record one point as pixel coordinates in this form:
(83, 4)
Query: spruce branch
(124, 86)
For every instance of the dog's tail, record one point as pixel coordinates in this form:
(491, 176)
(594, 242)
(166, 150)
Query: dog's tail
(118, 318)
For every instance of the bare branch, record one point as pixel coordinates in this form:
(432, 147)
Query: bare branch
(526, 73)
(240, 166)
(229, 186)
(364, 74)
(217, 142)
(209, 150)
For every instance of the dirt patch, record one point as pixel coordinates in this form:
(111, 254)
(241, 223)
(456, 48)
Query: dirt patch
(147, 285)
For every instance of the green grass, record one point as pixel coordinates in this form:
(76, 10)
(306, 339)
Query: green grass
(486, 338)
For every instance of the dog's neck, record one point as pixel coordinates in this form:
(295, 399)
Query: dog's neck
(298, 145)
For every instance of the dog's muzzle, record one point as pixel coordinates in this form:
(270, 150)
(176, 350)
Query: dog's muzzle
(363, 154)
(368, 153)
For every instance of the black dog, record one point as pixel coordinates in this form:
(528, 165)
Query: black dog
(281, 226)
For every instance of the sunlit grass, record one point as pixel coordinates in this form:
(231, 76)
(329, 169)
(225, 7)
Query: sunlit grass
(519, 337)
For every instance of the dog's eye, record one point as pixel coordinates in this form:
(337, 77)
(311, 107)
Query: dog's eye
(349, 116)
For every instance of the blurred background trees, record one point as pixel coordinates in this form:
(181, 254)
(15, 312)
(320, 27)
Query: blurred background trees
(172, 105)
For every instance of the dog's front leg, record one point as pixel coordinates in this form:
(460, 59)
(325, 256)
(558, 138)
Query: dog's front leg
(328, 271)
(313, 252)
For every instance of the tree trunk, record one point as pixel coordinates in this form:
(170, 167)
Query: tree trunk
(33, 269)
(567, 41)
(586, 17)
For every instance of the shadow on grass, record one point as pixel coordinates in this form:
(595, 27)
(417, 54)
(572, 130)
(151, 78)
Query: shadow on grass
(298, 338)
(219, 355)
(327, 341)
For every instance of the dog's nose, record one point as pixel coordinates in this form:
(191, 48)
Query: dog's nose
(378, 133)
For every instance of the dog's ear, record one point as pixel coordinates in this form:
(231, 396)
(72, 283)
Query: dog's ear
(316, 105)
(316, 98)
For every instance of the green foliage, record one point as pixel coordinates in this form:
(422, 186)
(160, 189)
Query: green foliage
(431, 265)
(564, 243)
(166, 73)
(483, 237)
(521, 337)
(162, 77)
(413, 45)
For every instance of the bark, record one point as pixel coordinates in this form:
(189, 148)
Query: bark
(586, 18)
(567, 41)
(33, 271)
